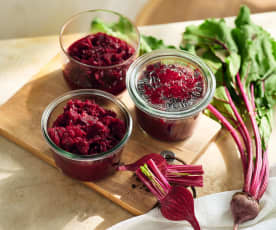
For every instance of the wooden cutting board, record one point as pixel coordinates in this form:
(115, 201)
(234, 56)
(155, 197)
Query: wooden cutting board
(20, 123)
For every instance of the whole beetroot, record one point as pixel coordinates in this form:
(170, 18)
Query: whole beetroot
(244, 208)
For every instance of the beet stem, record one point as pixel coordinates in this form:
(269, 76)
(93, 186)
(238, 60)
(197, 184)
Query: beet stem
(264, 176)
(154, 179)
(230, 128)
(258, 163)
(188, 181)
(158, 174)
(148, 183)
(247, 141)
(184, 169)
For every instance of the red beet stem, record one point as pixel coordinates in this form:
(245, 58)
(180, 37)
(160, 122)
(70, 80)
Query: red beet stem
(196, 181)
(151, 176)
(230, 128)
(258, 164)
(148, 183)
(247, 142)
(157, 158)
(264, 176)
(262, 173)
(153, 167)
(187, 175)
(264, 184)
(189, 169)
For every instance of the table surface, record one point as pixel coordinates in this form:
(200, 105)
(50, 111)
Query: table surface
(34, 195)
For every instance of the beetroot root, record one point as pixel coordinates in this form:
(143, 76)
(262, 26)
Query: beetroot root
(179, 205)
(244, 208)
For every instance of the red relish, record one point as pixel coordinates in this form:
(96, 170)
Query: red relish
(171, 87)
(98, 50)
(85, 128)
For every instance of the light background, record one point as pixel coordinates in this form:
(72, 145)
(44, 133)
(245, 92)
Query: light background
(26, 18)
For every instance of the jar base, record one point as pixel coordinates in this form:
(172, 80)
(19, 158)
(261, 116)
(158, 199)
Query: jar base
(166, 130)
(158, 138)
(88, 171)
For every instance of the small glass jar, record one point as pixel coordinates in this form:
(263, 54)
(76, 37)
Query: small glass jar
(78, 75)
(162, 124)
(86, 167)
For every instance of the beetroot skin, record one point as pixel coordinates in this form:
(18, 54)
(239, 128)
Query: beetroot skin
(244, 208)
(85, 128)
(99, 50)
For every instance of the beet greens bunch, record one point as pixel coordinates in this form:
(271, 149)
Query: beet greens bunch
(243, 60)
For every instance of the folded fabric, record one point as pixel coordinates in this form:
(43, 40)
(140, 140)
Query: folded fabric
(212, 212)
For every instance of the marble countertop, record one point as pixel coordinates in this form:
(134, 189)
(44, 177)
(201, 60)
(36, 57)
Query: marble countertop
(34, 195)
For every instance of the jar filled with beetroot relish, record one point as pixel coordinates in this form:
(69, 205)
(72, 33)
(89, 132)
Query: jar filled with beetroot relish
(94, 56)
(87, 130)
(169, 89)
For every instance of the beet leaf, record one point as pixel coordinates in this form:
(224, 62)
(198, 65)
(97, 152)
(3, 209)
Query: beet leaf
(123, 29)
(243, 60)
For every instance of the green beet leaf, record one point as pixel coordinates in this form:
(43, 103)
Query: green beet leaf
(124, 30)
(248, 49)
(150, 43)
(257, 51)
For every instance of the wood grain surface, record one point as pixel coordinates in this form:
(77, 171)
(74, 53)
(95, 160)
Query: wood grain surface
(20, 122)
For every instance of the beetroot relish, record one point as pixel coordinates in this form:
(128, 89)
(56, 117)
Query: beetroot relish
(171, 86)
(85, 128)
(99, 50)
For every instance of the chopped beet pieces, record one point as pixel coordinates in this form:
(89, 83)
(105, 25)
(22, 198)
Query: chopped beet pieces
(171, 86)
(85, 128)
(99, 50)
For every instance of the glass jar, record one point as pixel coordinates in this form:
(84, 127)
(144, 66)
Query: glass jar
(79, 75)
(179, 122)
(86, 167)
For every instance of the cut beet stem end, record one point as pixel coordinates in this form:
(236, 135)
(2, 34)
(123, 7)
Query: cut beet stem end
(156, 182)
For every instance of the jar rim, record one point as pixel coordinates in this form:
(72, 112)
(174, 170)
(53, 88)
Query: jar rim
(63, 153)
(68, 21)
(134, 71)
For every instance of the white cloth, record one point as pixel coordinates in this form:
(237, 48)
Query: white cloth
(212, 212)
